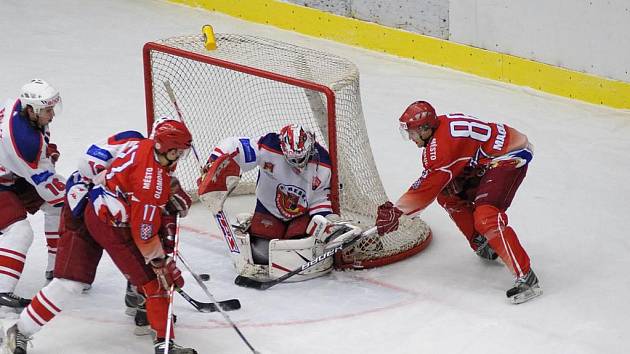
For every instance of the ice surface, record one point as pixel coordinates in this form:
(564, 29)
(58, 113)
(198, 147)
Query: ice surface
(570, 213)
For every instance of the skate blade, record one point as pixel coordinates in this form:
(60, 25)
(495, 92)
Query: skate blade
(527, 295)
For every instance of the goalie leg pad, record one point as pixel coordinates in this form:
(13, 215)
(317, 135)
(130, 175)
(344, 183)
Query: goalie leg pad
(244, 261)
(287, 255)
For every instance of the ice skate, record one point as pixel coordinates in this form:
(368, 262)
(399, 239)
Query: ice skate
(483, 249)
(525, 288)
(160, 346)
(16, 342)
(14, 301)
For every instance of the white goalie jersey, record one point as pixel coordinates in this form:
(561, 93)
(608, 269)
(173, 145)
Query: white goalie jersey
(284, 191)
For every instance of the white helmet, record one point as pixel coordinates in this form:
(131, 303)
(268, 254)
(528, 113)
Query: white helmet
(297, 144)
(39, 94)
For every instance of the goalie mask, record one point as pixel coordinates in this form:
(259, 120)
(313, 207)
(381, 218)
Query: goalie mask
(297, 145)
(170, 134)
(40, 95)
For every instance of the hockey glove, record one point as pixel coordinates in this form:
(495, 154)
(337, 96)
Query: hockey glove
(52, 152)
(167, 232)
(387, 218)
(179, 202)
(167, 272)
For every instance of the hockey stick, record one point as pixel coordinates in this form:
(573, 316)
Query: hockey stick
(171, 289)
(171, 95)
(213, 299)
(262, 285)
(225, 305)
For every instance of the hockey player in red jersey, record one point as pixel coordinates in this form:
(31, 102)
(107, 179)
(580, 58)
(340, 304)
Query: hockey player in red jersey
(292, 201)
(28, 182)
(473, 168)
(124, 216)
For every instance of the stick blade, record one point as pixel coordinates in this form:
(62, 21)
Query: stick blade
(226, 305)
(252, 283)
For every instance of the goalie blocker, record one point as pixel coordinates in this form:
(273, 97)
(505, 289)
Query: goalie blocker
(262, 258)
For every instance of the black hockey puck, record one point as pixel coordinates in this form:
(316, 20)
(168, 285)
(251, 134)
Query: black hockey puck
(204, 277)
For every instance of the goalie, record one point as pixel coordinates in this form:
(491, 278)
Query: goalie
(293, 221)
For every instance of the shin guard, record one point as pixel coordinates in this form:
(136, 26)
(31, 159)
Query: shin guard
(47, 304)
(14, 244)
(157, 307)
(492, 223)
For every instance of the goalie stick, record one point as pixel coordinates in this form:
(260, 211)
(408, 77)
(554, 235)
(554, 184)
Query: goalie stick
(225, 305)
(171, 94)
(263, 285)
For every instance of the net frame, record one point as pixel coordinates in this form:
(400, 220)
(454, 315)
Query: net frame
(371, 252)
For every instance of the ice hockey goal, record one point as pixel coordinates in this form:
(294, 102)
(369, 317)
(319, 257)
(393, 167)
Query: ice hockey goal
(250, 86)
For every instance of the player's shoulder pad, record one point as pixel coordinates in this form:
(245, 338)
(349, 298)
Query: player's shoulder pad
(123, 137)
(270, 142)
(322, 155)
(27, 140)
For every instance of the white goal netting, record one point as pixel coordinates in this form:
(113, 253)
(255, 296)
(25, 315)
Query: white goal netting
(250, 86)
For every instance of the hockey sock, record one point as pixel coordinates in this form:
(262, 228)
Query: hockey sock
(47, 304)
(52, 217)
(157, 307)
(492, 223)
(14, 244)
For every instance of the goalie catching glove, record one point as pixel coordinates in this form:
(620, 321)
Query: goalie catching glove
(167, 272)
(387, 217)
(220, 177)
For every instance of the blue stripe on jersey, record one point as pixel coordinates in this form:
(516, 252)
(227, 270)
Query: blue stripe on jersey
(248, 150)
(272, 142)
(41, 177)
(96, 192)
(129, 134)
(323, 155)
(27, 140)
(99, 153)
(77, 208)
(74, 178)
(524, 154)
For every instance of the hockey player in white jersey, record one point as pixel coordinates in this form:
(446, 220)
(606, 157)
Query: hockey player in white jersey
(28, 182)
(293, 219)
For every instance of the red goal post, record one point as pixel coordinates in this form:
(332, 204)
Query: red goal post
(250, 86)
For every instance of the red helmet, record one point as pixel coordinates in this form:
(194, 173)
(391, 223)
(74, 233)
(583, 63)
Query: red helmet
(170, 134)
(297, 144)
(419, 114)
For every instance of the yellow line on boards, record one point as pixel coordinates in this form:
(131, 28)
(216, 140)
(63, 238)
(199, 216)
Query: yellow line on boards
(484, 63)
